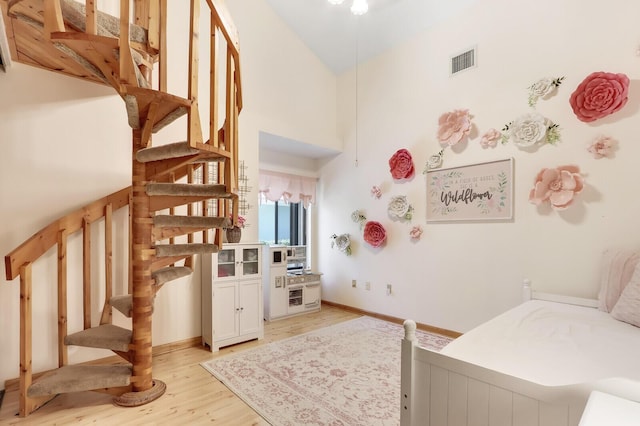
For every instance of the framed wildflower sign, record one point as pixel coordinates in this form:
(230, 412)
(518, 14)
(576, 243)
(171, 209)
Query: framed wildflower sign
(477, 192)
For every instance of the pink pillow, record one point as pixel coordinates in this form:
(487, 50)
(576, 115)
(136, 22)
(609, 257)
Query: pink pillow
(628, 307)
(617, 269)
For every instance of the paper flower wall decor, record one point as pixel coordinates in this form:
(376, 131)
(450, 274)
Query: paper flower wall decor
(401, 165)
(599, 94)
(416, 232)
(399, 208)
(342, 242)
(376, 192)
(453, 126)
(543, 88)
(434, 162)
(490, 138)
(602, 146)
(557, 186)
(358, 217)
(374, 233)
(530, 130)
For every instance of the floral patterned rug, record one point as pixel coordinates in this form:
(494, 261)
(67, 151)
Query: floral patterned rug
(347, 374)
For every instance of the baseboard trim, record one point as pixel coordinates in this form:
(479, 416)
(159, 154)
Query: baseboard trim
(424, 327)
(14, 384)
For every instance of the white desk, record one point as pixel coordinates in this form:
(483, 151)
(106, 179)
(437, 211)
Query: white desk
(607, 410)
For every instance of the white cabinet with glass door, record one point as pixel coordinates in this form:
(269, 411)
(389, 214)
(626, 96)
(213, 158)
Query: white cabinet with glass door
(232, 295)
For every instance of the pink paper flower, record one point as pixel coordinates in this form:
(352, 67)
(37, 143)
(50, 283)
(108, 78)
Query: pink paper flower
(374, 233)
(416, 232)
(490, 138)
(241, 221)
(401, 165)
(600, 94)
(376, 191)
(601, 147)
(557, 186)
(453, 126)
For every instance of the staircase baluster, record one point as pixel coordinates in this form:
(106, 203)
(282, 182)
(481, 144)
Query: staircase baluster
(53, 21)
(107, 312)
(91, 17)
(162, 71)
(194, 124)
(127, 73)
(86, 273)
(63, 355)
(154, 25)
(214, 93)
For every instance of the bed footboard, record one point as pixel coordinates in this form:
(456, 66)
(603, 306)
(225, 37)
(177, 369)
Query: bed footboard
(437, 390)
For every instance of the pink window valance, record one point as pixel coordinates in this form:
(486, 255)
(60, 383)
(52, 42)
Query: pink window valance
(274, 186)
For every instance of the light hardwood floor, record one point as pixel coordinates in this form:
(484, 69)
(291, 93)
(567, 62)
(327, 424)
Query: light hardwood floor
(193, 395)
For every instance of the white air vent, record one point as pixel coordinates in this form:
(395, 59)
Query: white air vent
(463, 61)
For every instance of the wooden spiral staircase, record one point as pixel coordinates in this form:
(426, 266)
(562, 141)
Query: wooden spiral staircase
(169, 208)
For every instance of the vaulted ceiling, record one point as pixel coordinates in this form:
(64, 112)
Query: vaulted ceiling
(331, 31)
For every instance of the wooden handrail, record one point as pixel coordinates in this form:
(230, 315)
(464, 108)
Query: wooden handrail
(223, 19)
(19, 263)
(47, 237)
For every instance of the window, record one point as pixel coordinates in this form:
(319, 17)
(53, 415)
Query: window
(283, 223)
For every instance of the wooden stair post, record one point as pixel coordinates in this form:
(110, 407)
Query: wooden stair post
(144, 388)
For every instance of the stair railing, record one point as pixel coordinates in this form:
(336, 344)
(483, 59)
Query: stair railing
(19, 263)
(152, 15)
(224, 137)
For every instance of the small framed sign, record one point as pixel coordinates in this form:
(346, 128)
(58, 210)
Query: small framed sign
(477, 192)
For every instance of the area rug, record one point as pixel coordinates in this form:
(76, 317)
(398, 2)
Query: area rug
(347, 374)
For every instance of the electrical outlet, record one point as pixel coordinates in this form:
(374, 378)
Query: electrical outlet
(354, 283)
(388, 289)
(367, 285)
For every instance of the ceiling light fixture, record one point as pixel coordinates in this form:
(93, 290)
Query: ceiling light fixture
(358, 7)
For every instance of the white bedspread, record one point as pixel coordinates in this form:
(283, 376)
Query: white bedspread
(553, 344)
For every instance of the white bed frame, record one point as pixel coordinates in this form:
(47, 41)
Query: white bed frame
(437, 390)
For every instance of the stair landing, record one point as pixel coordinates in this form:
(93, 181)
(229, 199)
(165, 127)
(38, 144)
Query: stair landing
(28, 44)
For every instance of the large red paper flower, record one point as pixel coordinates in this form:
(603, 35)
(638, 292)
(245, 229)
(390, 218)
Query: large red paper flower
(558, 186)
(453, 126)
(600, 94)
(401, 165)
(374, 233)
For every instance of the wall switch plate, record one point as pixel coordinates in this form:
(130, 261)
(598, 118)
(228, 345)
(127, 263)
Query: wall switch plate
(388, 289)
(353, 283)
(367, 286)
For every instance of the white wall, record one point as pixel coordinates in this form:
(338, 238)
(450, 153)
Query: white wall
(287, 91)
(65, 143)
(459, 275)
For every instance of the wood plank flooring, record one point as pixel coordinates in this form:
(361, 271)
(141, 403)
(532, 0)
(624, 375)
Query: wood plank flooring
(193, 395)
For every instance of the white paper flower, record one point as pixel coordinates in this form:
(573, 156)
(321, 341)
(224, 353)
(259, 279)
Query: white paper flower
(528, 130)
(342, 242)
(434, 161)
(358, 217)
(399, 207)
(542, 88)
